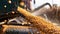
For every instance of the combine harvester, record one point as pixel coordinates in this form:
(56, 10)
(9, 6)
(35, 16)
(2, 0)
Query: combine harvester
(33, 21)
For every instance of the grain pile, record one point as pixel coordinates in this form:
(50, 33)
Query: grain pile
(43, 26)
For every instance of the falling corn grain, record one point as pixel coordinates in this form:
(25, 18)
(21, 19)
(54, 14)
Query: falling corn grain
(40, 23)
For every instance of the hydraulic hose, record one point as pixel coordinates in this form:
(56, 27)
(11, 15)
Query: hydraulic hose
(43, 6)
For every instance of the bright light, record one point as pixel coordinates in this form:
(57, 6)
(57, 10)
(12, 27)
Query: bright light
(40, 2)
